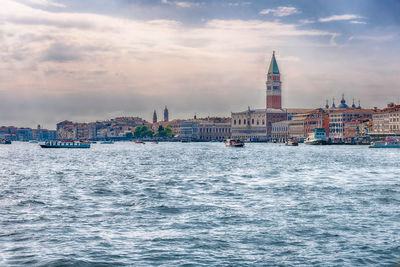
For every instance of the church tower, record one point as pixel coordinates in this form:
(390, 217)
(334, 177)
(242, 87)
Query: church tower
(154, 116)
(274, 94)
(166, 114)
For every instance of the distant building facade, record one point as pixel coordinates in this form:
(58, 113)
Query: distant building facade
(205, 130)
(114, 128)
(280, 131)
(249, 125)
(386, 122)
(338, 119)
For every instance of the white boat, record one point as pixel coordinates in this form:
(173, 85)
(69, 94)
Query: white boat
(292, 142)
(107, 142)
(65, 144)
(234, 143)
(317, 137)
(393, 142)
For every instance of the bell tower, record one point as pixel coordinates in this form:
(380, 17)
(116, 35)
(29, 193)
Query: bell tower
(274, 93)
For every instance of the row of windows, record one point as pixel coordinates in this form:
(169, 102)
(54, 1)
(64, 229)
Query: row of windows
(214, 130)
(276, 116)
(248, 122)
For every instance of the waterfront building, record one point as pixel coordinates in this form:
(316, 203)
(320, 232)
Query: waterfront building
(338, 118)
(115, 128)
(357, 127)
(250, 125)
(318, 118)
(386, 122)
(189, 130)
(166, 114)
(300, 125)
(280, 131)
(66, 130)
(212, 129)
(291, 112)
(25, 134)
(296, 127)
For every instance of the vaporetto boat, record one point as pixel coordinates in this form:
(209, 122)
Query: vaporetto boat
(317, 137)
(65, 144)
(393, 142)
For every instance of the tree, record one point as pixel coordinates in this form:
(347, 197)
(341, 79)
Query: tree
(168, 131)
(129, 134)
(143, 131)
(164, 132)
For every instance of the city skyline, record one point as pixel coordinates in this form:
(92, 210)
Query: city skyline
(87, 62)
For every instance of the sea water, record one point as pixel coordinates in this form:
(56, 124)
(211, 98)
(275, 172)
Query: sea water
(199, 204)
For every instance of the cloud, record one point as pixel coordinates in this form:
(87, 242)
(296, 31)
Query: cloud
(374, 38)
(280, 11)
(306, 21)
(45, 3)
(340, 17)
(237, 4)
(183, 4)
(59, 52)
(357, 22)
(85, 66)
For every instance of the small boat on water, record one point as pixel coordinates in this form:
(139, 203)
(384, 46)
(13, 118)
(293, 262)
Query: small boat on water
(65, 144)
(5, 142)
(139, 142)
(292, 142)
(393, 142)
(234, 143)
(107, 142)
(317, 137)
(155, 142)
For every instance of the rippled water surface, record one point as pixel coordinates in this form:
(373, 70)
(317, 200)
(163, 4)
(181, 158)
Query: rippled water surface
(199, 204)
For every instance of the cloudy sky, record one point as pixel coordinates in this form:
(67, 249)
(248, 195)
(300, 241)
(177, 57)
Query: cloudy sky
(97, 59)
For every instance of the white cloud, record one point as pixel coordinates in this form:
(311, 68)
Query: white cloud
(236, 4)
(136, 64)
(306, 21)
(280, 11)
(340, 17)
(183, 4)
(374, 38)
(45, 3)
(357, 22)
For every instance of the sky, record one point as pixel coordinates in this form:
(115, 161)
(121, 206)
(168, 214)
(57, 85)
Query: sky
(98, 59)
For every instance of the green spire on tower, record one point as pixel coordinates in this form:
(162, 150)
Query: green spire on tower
(273, 67)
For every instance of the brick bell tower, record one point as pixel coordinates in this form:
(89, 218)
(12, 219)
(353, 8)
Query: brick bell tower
(274, 93)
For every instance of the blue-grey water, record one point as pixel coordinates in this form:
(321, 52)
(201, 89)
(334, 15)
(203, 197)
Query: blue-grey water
(199, 204)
